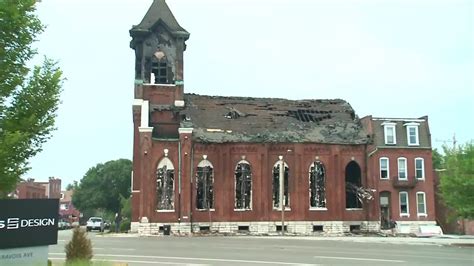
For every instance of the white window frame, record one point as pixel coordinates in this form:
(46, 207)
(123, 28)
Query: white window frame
(422, 168)
(407, 214)
(406, 168)
(388, 168)
(386, 126)
(417, 135)
(424, 204)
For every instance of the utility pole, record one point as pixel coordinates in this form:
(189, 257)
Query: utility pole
(282, 187)
(454, 141)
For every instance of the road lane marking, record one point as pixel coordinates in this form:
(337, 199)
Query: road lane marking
(191, 258)
(347, 258)
(127, 249)
(136, 261)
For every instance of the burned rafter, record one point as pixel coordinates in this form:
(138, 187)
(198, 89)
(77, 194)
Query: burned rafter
(363, 194)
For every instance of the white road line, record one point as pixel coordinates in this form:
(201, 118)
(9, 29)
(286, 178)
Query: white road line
(347, 258)
(137, 261)
(190, 258)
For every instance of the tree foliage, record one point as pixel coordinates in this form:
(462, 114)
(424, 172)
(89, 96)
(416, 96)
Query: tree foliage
(438, 159)
(457, 181)
(104, 186)
(72, 186)
(29, 98)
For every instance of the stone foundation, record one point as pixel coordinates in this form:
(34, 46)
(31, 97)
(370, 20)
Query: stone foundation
(258, 228)
(411, 227)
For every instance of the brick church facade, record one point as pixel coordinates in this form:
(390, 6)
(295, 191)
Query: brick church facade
(231, 164)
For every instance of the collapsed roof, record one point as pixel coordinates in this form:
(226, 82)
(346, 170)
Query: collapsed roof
(244, 119)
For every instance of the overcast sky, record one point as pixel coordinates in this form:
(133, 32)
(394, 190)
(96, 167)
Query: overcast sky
(386, 58)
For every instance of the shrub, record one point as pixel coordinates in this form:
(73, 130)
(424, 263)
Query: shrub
(79, 249)
(125, 226)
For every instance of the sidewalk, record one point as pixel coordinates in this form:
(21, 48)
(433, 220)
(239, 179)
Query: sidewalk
(455, 240)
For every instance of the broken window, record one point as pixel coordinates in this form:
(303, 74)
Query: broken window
(276, 186)
(353, 183)
(165, 185)
(204, 186)
(317, 185)
(160, 69)
(243, 186)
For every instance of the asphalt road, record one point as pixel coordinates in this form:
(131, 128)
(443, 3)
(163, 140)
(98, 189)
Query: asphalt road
(169, 250)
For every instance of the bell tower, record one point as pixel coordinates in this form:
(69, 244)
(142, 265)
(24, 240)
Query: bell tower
(159, 43)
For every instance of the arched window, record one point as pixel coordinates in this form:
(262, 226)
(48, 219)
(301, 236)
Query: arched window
(353, 183)
(317, 185)
(165, 185)
(204, 186)
(243, 186)
(276, 186)
(160, 68)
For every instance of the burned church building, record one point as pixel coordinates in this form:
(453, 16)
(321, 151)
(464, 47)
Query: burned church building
(263, 165)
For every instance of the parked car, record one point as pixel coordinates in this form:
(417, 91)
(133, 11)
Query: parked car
(95, 223)
(62, 225)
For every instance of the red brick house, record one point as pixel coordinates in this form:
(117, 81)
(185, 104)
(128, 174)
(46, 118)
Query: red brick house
(230, 164)
(67, 211)
(400, 165)
(30, 189)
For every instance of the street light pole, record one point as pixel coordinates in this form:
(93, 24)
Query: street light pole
(282, 187)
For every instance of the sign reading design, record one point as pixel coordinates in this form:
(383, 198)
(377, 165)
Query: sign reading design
(28, 222)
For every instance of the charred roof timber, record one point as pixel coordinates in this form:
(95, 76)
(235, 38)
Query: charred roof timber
(244, 119)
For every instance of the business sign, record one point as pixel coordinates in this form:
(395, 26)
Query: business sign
(28, 222)
(24, 256)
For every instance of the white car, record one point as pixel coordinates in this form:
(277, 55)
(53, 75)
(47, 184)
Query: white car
(95, 223)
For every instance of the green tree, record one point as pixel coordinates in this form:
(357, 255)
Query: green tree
(438, 159)
(29, 98)
(457, 182)
(104, 186)
(72, 186)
